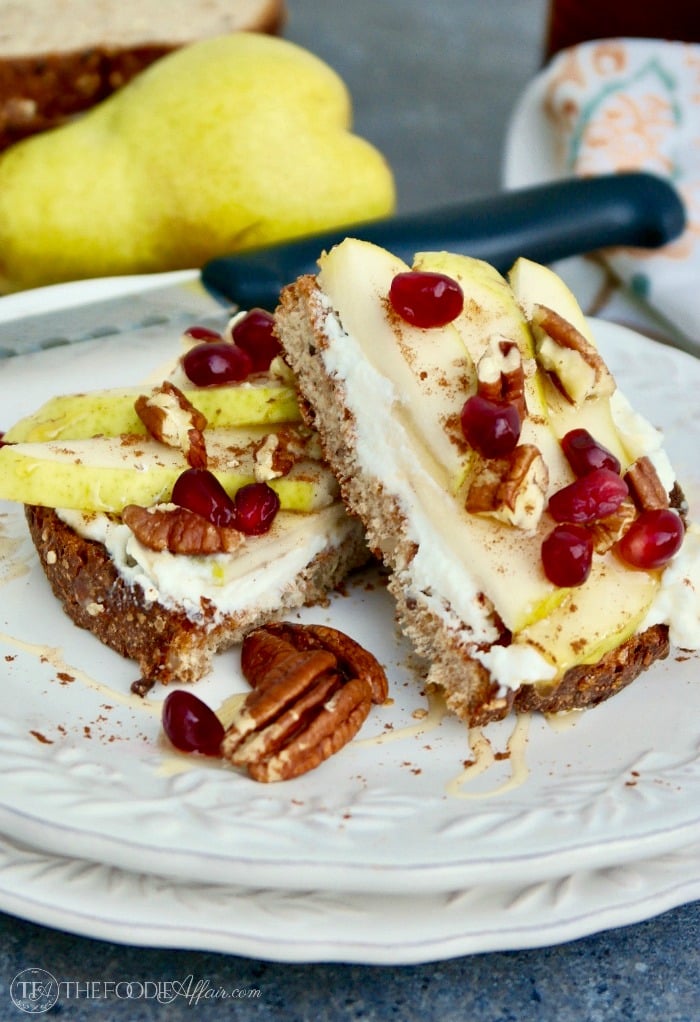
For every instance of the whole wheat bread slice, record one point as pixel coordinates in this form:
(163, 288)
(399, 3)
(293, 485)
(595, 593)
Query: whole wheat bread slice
(469, 691)
(167, 645)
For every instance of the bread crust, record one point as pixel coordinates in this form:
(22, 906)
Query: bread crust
(468, 689)
(166, 644)
(44, 87)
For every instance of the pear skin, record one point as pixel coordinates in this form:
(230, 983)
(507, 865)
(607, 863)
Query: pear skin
(230, 143)
(112, 412)
(106, 474)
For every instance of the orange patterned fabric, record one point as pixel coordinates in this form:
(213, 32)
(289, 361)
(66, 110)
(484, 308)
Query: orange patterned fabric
(634, 104)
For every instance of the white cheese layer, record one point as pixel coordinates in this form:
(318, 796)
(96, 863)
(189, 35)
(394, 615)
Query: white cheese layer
(256, 575)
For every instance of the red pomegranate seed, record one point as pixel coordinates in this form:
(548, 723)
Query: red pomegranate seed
(213, 363)
(256, 506)
(567, 555)
(426, 299)
(190, 724)
(652, 539)
(203, 333)
(198, 490)
(596, 495)
(584, 453)
(491, 427)
(254, 334)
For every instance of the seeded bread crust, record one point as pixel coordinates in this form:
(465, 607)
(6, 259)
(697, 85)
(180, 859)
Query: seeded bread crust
(468, 689)
(166, 644)
(56, 63)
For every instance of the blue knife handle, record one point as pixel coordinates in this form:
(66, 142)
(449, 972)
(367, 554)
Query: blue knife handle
(544, 223)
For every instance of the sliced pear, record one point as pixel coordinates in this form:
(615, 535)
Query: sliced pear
(577, 631)
(111, 412)
(107, 473)
(426, 462)
(434, 378)
(491, 309)
(533, 285)
(565, 626)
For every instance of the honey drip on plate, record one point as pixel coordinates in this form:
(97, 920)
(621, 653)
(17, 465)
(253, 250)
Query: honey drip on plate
(563, 721)
(485, 757)
(53, 655)
(437, 710)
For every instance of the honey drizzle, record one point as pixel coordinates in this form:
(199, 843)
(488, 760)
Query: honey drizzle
(437, 710)
(485, 759)
(54, 656)
(563, 721)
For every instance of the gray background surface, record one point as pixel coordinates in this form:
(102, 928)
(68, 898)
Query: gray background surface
(433, 85)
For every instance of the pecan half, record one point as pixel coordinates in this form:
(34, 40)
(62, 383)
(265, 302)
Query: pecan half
(173, 420)
(312, 688)
(512, 489)
(500, 373)
(179, 531)
(279, 452)
(645, 487)
(571, 360)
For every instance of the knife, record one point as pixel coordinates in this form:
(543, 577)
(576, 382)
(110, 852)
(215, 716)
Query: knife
(83, 310)
(544, 223)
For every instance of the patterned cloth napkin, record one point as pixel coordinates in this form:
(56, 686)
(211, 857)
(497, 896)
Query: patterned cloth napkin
(634, 104)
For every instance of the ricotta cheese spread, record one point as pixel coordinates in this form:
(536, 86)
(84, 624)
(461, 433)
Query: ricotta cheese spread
(257, 574)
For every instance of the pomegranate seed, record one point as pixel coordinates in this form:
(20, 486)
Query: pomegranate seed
(652, 539)
(584, 453)
(491, 427)
(256, 506)
(596, 495)
(214, 363)
(191, 725)
(567, 555)
(203, 333)
(254, 334)
(426, 299)
(198, 490)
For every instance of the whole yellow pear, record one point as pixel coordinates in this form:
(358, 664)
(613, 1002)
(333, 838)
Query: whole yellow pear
(230, 143)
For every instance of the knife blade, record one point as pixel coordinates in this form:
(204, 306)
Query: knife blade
(545, 223)
(78, 312)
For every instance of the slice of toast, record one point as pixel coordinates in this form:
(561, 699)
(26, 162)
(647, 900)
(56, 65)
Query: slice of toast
(469, 585)
(169, 643)
(171, 598)
(58, 58)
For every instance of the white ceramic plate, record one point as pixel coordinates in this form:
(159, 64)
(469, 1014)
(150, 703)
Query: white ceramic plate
(530, 154)
(100, 901)
(88, 775)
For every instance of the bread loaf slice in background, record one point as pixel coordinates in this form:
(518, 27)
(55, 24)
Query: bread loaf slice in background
(58, 58)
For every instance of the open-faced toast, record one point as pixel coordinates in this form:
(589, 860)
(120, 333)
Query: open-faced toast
(516, 569)
(173, 518)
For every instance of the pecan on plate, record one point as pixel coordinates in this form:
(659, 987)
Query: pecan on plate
(312, 688)
(173, 420)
